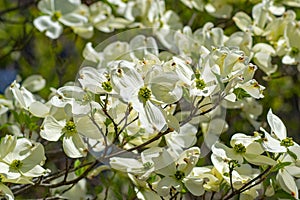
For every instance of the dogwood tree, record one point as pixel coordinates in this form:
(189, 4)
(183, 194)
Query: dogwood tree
(153, 99)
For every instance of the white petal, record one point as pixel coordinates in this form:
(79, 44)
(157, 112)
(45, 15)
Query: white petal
(8, 172)
(6, 192)
(243, 21)
(287, 182)
(7, 144)
(259, 159)
(34, 83)
(86, 127)
(163, 87)
(35, 171)
(44, 23)
(73, 19)
(277, 126)
(126, 80)
(164, 186)
(18, 95)
(126, 165)
(184, 139)
(194, 185)
(51, 129)
(37, 155)
(226, 153)
(165, 164)
(183, 70)
(39, 109)
(241, 138)
(73, 146)
(91, 54)
(155, 116)
(272, 145)
(66, 6)
(293, 170)
(46, 6)
(255, 148)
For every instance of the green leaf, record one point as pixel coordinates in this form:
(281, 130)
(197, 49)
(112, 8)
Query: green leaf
(98, 189)
(107, 122)
(282, 194)
(240, 93)
(81, 170)
(280, 166)
(292, 154)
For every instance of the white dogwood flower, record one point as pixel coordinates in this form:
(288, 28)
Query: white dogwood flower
(57, 13)
(176, 172)
(23, 162)
(71, 133)
(277, 141)
(146, 93)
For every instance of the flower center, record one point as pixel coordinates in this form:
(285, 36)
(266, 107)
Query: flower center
(16, 164)
(70, 128)
(107, 86)
(294, 51)
(147, 165)
(233, 164)
(179, 175)
(144, 93)
(56, 15)
(287, 142)
(200, 84)
(239, 148)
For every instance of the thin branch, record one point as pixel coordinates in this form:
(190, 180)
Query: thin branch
(73, 181)
(250, 184)
(159, 135)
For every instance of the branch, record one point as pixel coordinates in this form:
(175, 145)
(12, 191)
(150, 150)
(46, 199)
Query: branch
(250, 184)
(159, 135)
(73, 181)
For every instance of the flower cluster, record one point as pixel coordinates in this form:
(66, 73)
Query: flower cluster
(149, 107)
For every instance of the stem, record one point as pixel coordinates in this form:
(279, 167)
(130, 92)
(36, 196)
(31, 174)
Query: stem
(250, 184)
(159, 135)
(83, 175)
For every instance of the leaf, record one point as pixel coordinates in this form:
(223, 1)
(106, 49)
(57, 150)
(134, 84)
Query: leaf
(81, 170)
(281, 194)
(292, 154)
(107, 122)
(280, 166)
(240, 93)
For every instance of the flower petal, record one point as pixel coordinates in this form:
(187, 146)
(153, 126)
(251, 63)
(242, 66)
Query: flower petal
(73, 146)
(44, 23)
(51, 129)
(277, 126)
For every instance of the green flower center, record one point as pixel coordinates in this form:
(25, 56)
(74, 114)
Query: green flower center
(233, 164)
(144, 93)
(16, 164)
(294, 51)
(239, 148)
(200, 84)
(56, 15)
(107, 86)
(287, 142)
(70, 128)
(179, 175)
(147, 165)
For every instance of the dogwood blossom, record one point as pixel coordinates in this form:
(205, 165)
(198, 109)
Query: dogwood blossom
(22, 161)
(57, 13)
